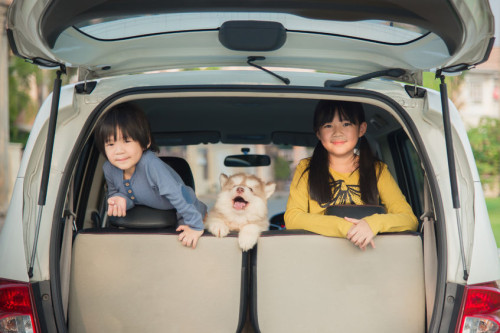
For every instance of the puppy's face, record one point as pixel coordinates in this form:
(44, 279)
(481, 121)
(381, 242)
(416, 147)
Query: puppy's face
(245, 193)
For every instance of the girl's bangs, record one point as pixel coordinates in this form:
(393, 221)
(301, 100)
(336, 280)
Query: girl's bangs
(343, 113)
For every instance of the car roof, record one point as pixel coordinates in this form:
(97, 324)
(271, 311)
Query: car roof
(108, 37)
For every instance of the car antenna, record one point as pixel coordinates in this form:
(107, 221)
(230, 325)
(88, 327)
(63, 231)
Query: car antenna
(250, 61)
(49, 146)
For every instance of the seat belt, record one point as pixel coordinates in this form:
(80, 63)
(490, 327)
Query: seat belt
(67, 242)
(430, 253)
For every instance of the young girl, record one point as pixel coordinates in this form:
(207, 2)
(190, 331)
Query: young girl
(339, 174)
(135, 175)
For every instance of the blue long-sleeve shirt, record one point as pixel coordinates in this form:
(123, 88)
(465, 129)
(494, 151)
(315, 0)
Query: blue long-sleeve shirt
(155, 184)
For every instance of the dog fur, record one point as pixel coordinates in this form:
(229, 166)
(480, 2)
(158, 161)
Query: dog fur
(241, 206)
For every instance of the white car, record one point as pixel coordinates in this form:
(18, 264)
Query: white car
(64, 266)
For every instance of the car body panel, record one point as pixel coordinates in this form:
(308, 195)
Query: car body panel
(485, 262)
(459, 34)
(429, 121)
(12, 245)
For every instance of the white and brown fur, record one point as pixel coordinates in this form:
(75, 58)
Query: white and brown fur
(241, 206)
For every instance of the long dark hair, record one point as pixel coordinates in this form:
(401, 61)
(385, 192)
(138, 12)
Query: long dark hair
(131, 121)
(320, 179)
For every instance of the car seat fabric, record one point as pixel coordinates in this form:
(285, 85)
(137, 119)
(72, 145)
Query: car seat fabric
(138, 282)
(312, 283)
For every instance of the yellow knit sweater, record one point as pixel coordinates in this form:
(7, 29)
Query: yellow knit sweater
(304, 213)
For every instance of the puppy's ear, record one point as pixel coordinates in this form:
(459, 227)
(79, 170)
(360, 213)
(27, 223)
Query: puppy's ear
(223, 178)
(269, 189)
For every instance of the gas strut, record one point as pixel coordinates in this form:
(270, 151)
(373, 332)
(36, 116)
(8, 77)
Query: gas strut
(451, 165)
(49, 145)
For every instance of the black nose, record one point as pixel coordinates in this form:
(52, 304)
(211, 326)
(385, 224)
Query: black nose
(240, 190)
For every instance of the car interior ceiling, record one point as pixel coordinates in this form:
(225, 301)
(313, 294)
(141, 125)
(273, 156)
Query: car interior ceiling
(245, 120)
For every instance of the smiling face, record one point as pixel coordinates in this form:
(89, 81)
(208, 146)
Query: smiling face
(123, 153)
(340, 136)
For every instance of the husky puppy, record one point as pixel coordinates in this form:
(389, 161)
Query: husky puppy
(241, 206)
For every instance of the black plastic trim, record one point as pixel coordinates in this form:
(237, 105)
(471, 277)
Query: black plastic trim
(488, 51)
(452, 306)
(254, 319)
(402, 162)
(43, 304)
(415, 92)
(85, 88)
(244, 290)
(12, 43)
(252, 35)
(89, 158)
(286, 90)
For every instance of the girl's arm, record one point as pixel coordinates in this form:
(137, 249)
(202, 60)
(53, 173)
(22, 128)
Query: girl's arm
(297, 214)
(399, 215)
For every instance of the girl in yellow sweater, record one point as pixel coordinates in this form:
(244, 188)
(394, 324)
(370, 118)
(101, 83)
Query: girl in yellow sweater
(339, 174)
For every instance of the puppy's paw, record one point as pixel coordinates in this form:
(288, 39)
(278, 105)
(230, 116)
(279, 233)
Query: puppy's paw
(247, 240)
(218, 229)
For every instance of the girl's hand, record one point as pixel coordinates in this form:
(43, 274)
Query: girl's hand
(189, 237)
(117, 206)
(360, 234)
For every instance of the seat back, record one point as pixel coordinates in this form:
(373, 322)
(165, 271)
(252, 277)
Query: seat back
(310, 283)
(182, 167)
(139, 282)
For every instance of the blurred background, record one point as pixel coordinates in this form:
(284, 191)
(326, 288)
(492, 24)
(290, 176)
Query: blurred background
(476, 93)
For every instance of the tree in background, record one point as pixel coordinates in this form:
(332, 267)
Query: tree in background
(454, 84)
(485, 142)
(20, 100)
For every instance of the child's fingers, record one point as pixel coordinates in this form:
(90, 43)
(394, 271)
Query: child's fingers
(186, 241)
(350, 219)
(355, 239)
(365, 243)
(195, 242)
(372, 243)
(180, 228)
(111, 204)
(351, 232)
(114, 210)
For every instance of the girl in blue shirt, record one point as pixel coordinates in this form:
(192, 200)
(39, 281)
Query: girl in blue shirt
(135, 175)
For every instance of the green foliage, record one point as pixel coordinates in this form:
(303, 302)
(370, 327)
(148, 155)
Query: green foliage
(281, 168)
(493, 205)
(430, 81)
(485, 142)
(20, 75)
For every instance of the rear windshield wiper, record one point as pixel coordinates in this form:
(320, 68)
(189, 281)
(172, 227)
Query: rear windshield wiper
(393, 72)
(250, 61)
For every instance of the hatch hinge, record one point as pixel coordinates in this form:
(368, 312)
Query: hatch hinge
(250, 61)
(49, 145)
(451, 165)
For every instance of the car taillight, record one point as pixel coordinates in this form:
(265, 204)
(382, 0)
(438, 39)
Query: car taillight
(480, 309)
(17, 314)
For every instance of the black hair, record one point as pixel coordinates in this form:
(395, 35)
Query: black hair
(320, 179)
(132, 122)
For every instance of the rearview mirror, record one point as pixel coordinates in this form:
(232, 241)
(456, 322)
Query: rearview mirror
(247, 160)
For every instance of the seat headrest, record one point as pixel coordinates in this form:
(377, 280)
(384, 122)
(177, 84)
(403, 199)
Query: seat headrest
(181, 167)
